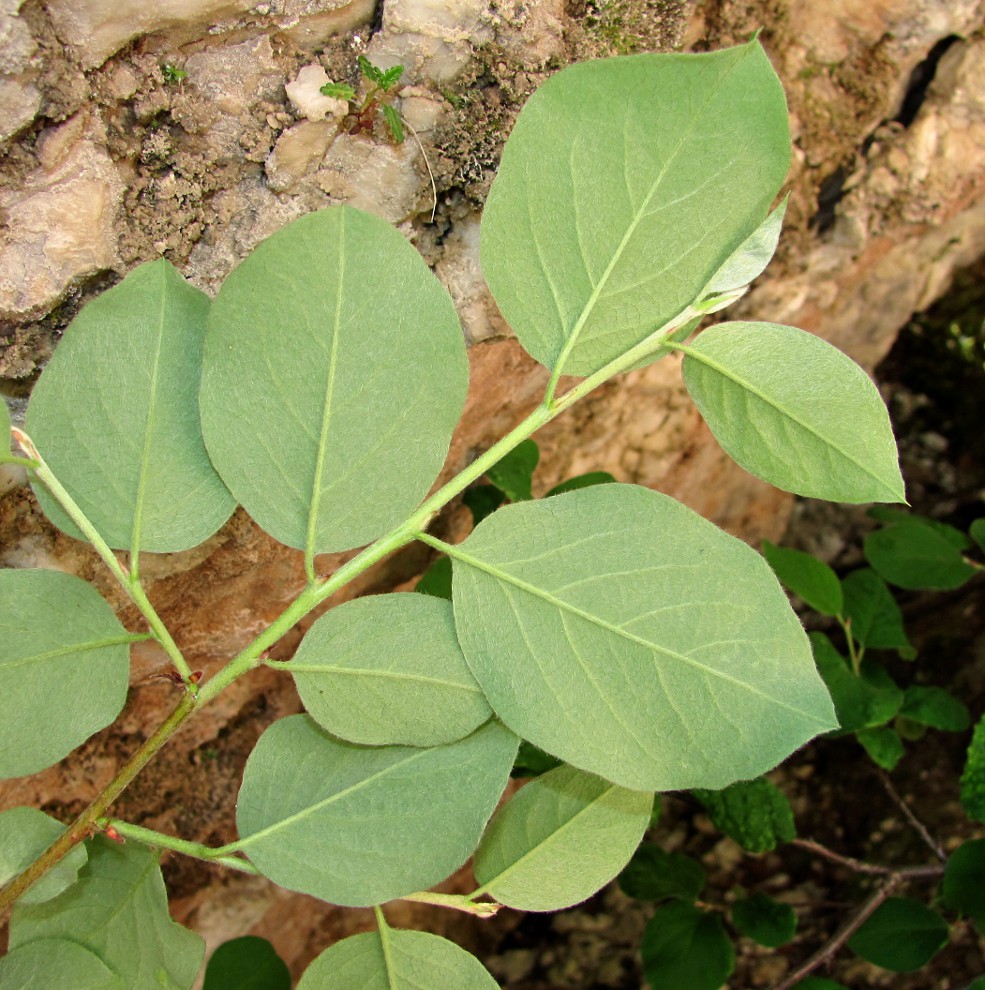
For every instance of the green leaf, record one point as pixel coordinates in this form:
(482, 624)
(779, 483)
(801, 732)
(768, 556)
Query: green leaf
(118, 910)
(977, 533)
(876, 619)
(973, 777)
(644, 658)
(764, 920)
(754, 813)
(338, 91)
(5, 451)
(513, 473)
(750, 259)
(392, 76)
(794, 411)
(914, 556)
(328, 403)
(532, 762)
(25, 833)
(889, 514)
(358, 826)
(654, 875)
(482, 501)
(964, 880)
(246, 963)
(64, 667)
(395, 960)
(807, 577)
(115, 415)
(582, 481)
(394, 122)
(871, 699)
(684, 946)
(902, 935)
(436, 580)
(56, 962)
(370, 71)
(935, 707)
(609, 196)
(883, 745)
(387, 669)
(563, 837)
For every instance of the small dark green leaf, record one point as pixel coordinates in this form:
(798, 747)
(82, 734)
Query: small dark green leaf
(654, 875)
(935, 707)
(902, 935)
(394, 122)
(531, 761)
(339, 91)
(370, 71)
(392, 76)
(25, 833)
(482, 501)
(513, 474)
(977, 533)
(876, 619)
(118, 910)
(436, 580)
(247, 963)
(914, 556)
(753, 812)
(807, 577)
(392, 959)
(973, 777)
(964, 880)
(582, 481)
(978, 984)
(764, 920)
(51, 963)
(883, 745)
(64, 667)
(871, 699)
(684, 946)
(889, 514)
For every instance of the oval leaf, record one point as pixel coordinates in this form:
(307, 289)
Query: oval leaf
(25, 833)
(328, 401)
(684, 946)
(807, 577)
(115, 415)
(559, 840)
(396, 960)
(388, 669)
(935, 707)
(621, 632)
(764, 920)
(883, 745)
(358, 826)
(609, 196)
(876, 618)
(56, 962)
(64, 667)
(118, 910)
(654, 875)
(901, 935)
(755, 813)
(246, 963)
(964, 880)
(914, 556)
(795, 412)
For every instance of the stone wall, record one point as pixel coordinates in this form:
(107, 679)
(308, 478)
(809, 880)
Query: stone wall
(109, 160)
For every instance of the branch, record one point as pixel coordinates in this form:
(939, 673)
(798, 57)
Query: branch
(920, 828)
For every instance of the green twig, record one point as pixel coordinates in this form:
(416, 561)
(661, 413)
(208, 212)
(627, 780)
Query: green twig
(161, 841)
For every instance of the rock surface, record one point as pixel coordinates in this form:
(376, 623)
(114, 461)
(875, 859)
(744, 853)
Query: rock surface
(111, 167)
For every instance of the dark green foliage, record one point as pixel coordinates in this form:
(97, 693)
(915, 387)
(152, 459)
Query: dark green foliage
(901, 935)
(753, 812)
(654, 875)
(513, 474)
(764, 920)
(964, 881)
(973, 778)
(684, 946)
(582, 481)
(247, 963)
(912, 555)
(807, 577)
(436, 580)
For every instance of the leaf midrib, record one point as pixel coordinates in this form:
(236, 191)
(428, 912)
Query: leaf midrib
(61, 651)
(371, 673)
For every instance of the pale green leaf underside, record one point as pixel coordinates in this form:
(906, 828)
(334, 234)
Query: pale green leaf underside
(357, 826)
(51, 963)
(118, 910)
(750, 259)
(64, 667)
(335, 372)
(621, 632)
(115, 416)
(624, 187)
(560, 839)
(396, 960)
(25, 833)
(388, 670)
(795, 412)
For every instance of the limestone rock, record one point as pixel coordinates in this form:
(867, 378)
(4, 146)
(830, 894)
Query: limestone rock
(60, 222)
(298, 151)
(20, 101)
(307, 98)
(20, 98)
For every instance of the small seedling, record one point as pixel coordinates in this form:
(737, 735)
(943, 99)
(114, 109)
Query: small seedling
(382, 89)
(173, 76)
